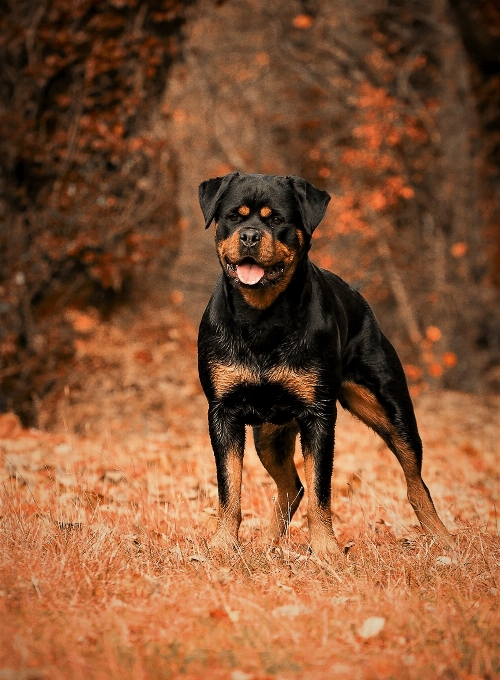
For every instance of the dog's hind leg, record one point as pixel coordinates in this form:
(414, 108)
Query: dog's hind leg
(380, 398)
(275, 446)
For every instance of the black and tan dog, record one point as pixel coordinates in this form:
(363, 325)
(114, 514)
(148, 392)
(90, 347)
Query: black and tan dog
(282, 341)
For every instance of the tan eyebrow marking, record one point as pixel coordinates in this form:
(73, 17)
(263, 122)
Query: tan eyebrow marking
(244, 210)
(265, 211)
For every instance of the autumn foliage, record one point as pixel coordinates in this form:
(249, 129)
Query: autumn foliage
(373, 104)
(86, 188)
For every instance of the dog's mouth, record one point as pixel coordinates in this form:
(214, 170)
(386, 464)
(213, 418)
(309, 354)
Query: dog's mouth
(250, 273)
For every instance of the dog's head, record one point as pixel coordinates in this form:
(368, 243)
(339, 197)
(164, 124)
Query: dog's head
(264, 225)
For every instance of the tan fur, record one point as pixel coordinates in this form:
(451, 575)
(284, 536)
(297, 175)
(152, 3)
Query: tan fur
(265, 211)
(283, 471)
(244, 210)
(227, 377)
(261, 298)
(229, 249)
(322, 537)
(229, 517)
(364, 404)
(270, 253)
(301, 383)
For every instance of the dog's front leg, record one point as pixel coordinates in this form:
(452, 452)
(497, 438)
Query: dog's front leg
(317, 437)
(228, 442)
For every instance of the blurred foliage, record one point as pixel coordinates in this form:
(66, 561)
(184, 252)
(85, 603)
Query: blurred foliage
(85, 189)
(372, 103)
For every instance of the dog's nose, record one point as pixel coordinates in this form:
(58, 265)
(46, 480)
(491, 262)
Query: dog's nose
(250, 237)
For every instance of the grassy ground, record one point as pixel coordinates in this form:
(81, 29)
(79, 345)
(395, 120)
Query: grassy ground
(104, 571)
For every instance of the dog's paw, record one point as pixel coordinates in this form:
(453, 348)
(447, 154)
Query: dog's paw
(326, 548)
(444, 539)
(222, 542)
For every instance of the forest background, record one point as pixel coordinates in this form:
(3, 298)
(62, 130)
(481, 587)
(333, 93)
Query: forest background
(113, 111)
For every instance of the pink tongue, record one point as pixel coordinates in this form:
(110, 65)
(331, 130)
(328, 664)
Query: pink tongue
(249, 273)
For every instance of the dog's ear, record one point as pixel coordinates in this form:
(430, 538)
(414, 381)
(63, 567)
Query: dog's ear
(210, 193)
(312, 202)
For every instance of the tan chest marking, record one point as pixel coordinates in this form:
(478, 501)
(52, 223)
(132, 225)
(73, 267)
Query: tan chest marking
(300, 383)
(228, 376)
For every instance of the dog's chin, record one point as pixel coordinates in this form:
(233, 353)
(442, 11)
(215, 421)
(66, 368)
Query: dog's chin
(251, 274)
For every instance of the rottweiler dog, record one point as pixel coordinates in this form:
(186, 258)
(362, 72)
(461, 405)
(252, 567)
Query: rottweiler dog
(280, 343)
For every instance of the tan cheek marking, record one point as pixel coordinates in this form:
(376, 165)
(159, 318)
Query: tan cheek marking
(271, 252)
(267, 250)
(265, 211)
(226, 377)
(285, 253)
(264, 297)
(229, 247)
(244, 210)
(301, 383)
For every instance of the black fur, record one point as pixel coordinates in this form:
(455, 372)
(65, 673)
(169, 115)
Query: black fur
(318, 325)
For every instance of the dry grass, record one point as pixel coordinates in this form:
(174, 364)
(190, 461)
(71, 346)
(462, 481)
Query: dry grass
(105, 573)
(104, 568)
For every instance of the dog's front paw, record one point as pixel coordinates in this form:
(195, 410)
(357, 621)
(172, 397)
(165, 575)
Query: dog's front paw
(223, 542)
(325, 547)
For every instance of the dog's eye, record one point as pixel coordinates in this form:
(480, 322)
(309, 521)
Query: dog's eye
(233, 217)
(276, 220)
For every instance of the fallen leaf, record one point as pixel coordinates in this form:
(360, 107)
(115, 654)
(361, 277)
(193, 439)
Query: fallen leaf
(433, 333)
(303, 21)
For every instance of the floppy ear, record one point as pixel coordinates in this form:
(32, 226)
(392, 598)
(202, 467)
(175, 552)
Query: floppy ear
(312, 202)
(210, 193)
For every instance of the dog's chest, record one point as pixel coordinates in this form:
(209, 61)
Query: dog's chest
(273, 393)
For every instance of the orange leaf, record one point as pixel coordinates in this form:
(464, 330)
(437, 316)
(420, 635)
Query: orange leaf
(218, 614)
(459, 249)
(450, 359)
(143, 356)
(413, 372)
(436, 370)
(377, 200)
(303, 21)
(433, 333)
